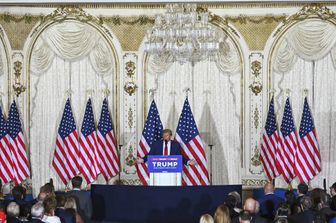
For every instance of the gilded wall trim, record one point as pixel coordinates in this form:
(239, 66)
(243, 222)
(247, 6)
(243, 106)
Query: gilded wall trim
(223, 5)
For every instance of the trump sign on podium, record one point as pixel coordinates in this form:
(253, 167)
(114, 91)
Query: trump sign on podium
(165, 164)
(165, 170)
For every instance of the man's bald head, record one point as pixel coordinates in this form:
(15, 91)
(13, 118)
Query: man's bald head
(250, 205)
(269, 188)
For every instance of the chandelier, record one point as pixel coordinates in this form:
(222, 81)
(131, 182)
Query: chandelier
(183, 34)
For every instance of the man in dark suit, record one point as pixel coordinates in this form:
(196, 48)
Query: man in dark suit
(307, 214)
(83, 199)
(166, 147)
(269, 203)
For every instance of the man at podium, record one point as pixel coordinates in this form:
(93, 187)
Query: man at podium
(166, 147)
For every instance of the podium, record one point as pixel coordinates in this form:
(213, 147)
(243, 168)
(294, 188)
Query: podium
(165, 170)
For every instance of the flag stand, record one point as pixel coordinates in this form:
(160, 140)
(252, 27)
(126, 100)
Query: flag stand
(210, 147)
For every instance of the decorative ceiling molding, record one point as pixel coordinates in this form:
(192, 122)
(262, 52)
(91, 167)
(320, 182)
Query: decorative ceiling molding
(311, 11)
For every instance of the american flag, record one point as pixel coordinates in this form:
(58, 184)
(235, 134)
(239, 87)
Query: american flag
(107, 145)
(269, 143)
(192, 148)
(65, 158)
(151, 133)
(308, 160)
(6, 163)
(88, 157)
(17, 145)
(285, 157)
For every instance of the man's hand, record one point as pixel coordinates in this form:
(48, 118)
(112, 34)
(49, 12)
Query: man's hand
(139, 160)
(192, 162)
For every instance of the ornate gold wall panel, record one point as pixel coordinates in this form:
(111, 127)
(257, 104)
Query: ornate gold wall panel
(130, 31)
(18, 28)
(256, 29)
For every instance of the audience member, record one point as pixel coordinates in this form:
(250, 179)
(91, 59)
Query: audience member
(307, 214)
(222, 214)
(333, 196)
(245, 217)
(37, 213)
(251, 206)
(319, 217)
(291, 202)
(60, 211)
(49, 210)
(269, 203)
(206, 218)
(316, 195)
(2, 217)
(231, 203)
(324, 206)
(19, 194)
(238, 199)
(282, 212)
(25, 210)
(13, 212)
(83, 200)
(71, 207)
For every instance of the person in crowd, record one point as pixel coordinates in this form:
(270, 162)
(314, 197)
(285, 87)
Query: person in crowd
(252, 207)
(282, 213)
(83, 200)
(60, 211)
(13, 212)
(319, 217)
(206, 218)
(333, 196)
(49, 210)
(307, 214)
(291, 202)
(302, 190)
(48, 188)
(37, 213)
(25, 210)
(324, 206)
(231, 203)
(3, 217)
(222, 214)
(316, 195)
(238, 199)
(269, 203)
(71, 207)
(245, 217)
(19, 194)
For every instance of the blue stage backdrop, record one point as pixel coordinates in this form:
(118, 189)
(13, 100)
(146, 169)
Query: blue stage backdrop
(120, 203)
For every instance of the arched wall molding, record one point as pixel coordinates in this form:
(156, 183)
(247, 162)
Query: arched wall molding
(243, 51)
(68, 14)
(310, 12)
(77, 15)
(5, 98)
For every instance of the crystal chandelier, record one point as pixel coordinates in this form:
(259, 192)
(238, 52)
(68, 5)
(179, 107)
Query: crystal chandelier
(183, 33)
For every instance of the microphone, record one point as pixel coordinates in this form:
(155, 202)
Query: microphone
(166, 142)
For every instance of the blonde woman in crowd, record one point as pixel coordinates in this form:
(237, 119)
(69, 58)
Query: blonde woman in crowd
(206, 218)
(222, 214)
(49, 211)
(71, 207)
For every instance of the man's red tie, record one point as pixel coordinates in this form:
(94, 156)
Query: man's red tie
(166, 149)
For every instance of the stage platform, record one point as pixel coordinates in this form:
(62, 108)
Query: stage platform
(120, 203)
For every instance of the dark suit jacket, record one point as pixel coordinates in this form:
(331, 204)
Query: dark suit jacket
(65, 216)
(268, 205)
(303, 217)
(255, 219)
(84, 203)
(157, 149)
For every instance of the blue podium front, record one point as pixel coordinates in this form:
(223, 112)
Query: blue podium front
(165, 170)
